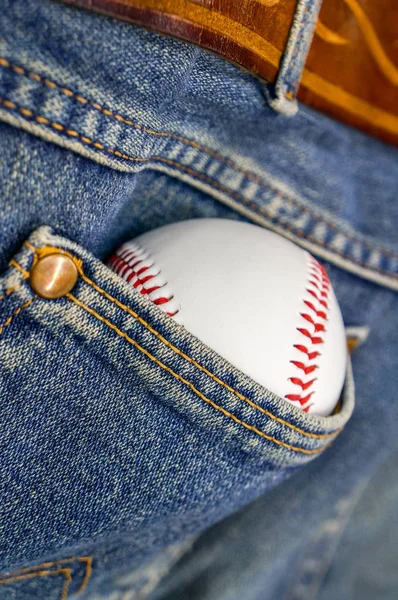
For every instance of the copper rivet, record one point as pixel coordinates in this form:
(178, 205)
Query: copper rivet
(53, 276)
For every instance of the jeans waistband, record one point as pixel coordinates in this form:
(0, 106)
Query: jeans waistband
(130, 99)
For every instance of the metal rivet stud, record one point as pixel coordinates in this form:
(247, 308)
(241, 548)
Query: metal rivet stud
(53, 276)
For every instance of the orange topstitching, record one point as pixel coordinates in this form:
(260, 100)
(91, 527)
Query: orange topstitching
(65, 572)
(66, 91)
(178, 351)
(12, 289)
(190, 385)
(215, 184)
(15, 314)
(86, 559)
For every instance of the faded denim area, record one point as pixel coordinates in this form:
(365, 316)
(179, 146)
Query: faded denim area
(127, 445)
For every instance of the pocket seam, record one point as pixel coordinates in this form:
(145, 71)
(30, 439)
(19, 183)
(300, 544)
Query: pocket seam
(31, 572)
(78, 262)
(16, 312)
(190, 385)
(252, 428)
(14, 287)
(65, 572)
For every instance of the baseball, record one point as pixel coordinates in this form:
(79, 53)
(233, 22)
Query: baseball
(255, 298)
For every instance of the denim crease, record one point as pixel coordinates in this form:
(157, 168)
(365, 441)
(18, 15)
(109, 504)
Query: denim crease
(135, 461)
(191, 395)
(83, 119)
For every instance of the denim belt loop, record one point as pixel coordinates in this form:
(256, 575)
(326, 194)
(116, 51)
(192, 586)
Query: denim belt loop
(281, 95)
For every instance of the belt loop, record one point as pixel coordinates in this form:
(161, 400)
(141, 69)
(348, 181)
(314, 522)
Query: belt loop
(281, 95)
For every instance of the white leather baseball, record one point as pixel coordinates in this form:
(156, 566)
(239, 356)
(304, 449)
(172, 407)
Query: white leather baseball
(260, 301)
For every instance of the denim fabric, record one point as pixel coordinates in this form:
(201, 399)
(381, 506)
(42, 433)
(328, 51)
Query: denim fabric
(126, 444)
(131, 100)
(281, 95)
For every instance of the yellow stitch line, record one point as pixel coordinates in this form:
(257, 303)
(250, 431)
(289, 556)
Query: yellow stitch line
(50, 83)
(228, 191)
(26, 112)
(86, 140)
(66, 91)
(52, 563)
(35, 77)
(65, 590)
(86, 559)
(200, 367)
(30, 246)
(182, 354)
(176, 137)
(65, 572)
(4, 579)
(209, 151)
(58, 126)
(9, 104)
(4, 63)
(15, 314)
(89, 568)
(18, 70)
(72, 132)
(189, 384)
(33, 574)
(13, 288)
(14, 264)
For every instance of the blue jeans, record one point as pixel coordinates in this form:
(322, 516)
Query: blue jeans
(135, 461)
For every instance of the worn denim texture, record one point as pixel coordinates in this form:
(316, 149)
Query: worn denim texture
(281, 95)
(127, 445)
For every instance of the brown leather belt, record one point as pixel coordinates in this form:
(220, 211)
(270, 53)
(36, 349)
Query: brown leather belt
(351, 71)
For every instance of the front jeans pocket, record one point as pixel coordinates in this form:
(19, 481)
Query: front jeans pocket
(115, 419)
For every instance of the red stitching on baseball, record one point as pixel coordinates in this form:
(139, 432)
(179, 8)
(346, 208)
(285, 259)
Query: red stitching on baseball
(319, 313)
(300, 365)
(299, 398)
(304, 349)
(322, 302)
(314, 339)
(317, 326)
(133, 259)
(303, 384)
(318, 279)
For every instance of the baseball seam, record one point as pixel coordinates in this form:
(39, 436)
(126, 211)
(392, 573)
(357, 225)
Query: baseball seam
(315, 317)
(136, 266)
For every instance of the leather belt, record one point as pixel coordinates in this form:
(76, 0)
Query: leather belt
(351, 71)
